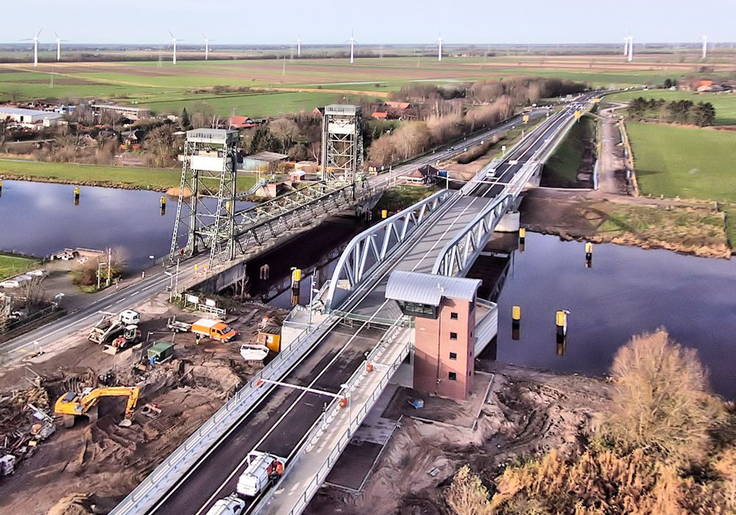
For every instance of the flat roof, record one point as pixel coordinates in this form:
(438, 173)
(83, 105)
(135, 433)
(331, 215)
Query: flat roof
(267, 156)
(28, 112)
(428, 288)
(212, 136)
(341, 109)
(124, 108)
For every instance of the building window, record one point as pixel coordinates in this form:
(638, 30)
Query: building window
(453, 356)
(453, 316)
(453, 376)
(453, 336)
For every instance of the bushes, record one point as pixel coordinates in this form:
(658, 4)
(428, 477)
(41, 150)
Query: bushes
(661, 448)
(661, 404)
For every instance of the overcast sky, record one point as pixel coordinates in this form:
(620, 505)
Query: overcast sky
(374, 21)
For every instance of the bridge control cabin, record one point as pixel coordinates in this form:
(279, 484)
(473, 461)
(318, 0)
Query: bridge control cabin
(451, 327)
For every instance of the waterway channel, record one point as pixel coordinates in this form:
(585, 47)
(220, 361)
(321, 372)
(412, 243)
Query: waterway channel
(38, 219)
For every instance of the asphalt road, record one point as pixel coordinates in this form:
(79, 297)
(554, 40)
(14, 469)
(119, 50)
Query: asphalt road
(156, 281)
(281, 419)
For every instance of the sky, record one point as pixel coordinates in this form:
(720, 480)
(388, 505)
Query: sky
(373, 21)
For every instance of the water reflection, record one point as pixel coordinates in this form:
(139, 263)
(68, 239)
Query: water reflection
(40, 218)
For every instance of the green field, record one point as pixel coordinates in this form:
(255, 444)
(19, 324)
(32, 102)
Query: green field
(725, 103)
(686, 162)
(310, 82)
(14, 265)
(144, 178)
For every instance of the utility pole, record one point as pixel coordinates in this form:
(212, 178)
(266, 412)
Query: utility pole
(109, 266)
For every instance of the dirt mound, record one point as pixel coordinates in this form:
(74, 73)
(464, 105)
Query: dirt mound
(72, 504)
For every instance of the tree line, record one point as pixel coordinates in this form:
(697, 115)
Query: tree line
(683, 112)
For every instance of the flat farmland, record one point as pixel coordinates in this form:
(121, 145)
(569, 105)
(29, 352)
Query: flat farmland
(725, 103)
(269, 87)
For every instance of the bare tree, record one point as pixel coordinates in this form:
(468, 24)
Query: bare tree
(661, 403)
(32, 291)
(160, 145)
(286, 130)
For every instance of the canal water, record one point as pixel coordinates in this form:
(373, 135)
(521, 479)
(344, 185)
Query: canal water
(41, 218)
(627, 291)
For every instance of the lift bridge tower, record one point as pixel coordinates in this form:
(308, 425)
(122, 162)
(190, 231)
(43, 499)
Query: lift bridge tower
(205, 214)
(342, 142)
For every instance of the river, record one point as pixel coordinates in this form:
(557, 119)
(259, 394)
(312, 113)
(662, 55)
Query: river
(627, 291)
(38, 219)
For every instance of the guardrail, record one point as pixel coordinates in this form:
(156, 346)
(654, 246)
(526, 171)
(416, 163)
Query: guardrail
(353, 422)
(459, 254)
(185, 457)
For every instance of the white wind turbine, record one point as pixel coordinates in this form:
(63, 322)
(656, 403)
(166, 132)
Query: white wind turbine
(173, 42)
(705, 47)
(352, 47)
(626, 46)
(298, 47)
(35, 46)
(439, 44)
(206, 48)
(631, 49)
(58, 46)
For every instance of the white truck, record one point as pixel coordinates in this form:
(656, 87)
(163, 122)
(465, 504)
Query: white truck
(263, 469)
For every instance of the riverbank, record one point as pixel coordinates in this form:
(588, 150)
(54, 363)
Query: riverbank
(129, 178)
(695, 228)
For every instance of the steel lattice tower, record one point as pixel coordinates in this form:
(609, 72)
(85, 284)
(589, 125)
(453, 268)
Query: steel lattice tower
(342, 142)
(205, 220)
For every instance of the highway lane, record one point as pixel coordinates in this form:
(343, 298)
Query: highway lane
(280, 421)
(156, 281)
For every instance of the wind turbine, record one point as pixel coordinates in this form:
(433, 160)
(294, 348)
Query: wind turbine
(298, 47)
(206, 48)
(352, 47)
(58, 46)
(35, 46)
(626, 46)
(174, 41)
(439, 42)
(705, 47)
(631, 48)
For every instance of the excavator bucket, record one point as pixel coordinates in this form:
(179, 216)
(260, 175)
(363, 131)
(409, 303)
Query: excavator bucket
(126, 422)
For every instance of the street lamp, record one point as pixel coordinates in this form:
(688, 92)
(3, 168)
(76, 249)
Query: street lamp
(312, 291)
(153, 260)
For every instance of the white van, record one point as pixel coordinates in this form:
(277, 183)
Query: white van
(262, 469)
(230, 505)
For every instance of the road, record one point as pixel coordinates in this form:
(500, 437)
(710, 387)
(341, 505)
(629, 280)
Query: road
(283, 417)
(130, 296)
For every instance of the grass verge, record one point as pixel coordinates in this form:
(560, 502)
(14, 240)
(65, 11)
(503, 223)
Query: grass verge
(157, 179)
(561, 170)
(403, 196)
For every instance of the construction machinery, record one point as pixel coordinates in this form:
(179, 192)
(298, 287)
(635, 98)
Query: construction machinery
(131, 335)
(73, 404)
(109, 328)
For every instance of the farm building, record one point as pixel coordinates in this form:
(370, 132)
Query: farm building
(131, 113)
(263, 161)
(29, 117)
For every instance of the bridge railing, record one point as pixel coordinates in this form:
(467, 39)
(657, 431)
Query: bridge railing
(459, 254)
(371, 248)
(170, 472)
(354, 420)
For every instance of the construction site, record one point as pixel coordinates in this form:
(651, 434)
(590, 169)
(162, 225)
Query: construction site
(86, 421)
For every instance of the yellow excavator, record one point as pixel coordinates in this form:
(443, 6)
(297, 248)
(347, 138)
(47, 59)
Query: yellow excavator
(73, 404)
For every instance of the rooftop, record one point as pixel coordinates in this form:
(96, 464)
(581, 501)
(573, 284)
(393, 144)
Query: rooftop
(428, 288)
(28, 112)
(267, 156)
(211, 136)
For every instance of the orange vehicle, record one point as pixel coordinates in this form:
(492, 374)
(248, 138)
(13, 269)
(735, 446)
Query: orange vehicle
(215, 329)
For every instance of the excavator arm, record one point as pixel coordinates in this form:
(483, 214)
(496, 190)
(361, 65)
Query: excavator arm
(71, 405)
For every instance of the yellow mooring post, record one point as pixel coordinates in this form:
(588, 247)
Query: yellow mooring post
(561, 322)
(588, 255)
(296, 279)
(77, 193)
(515, 322)
(384, 213)
(162, 204)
